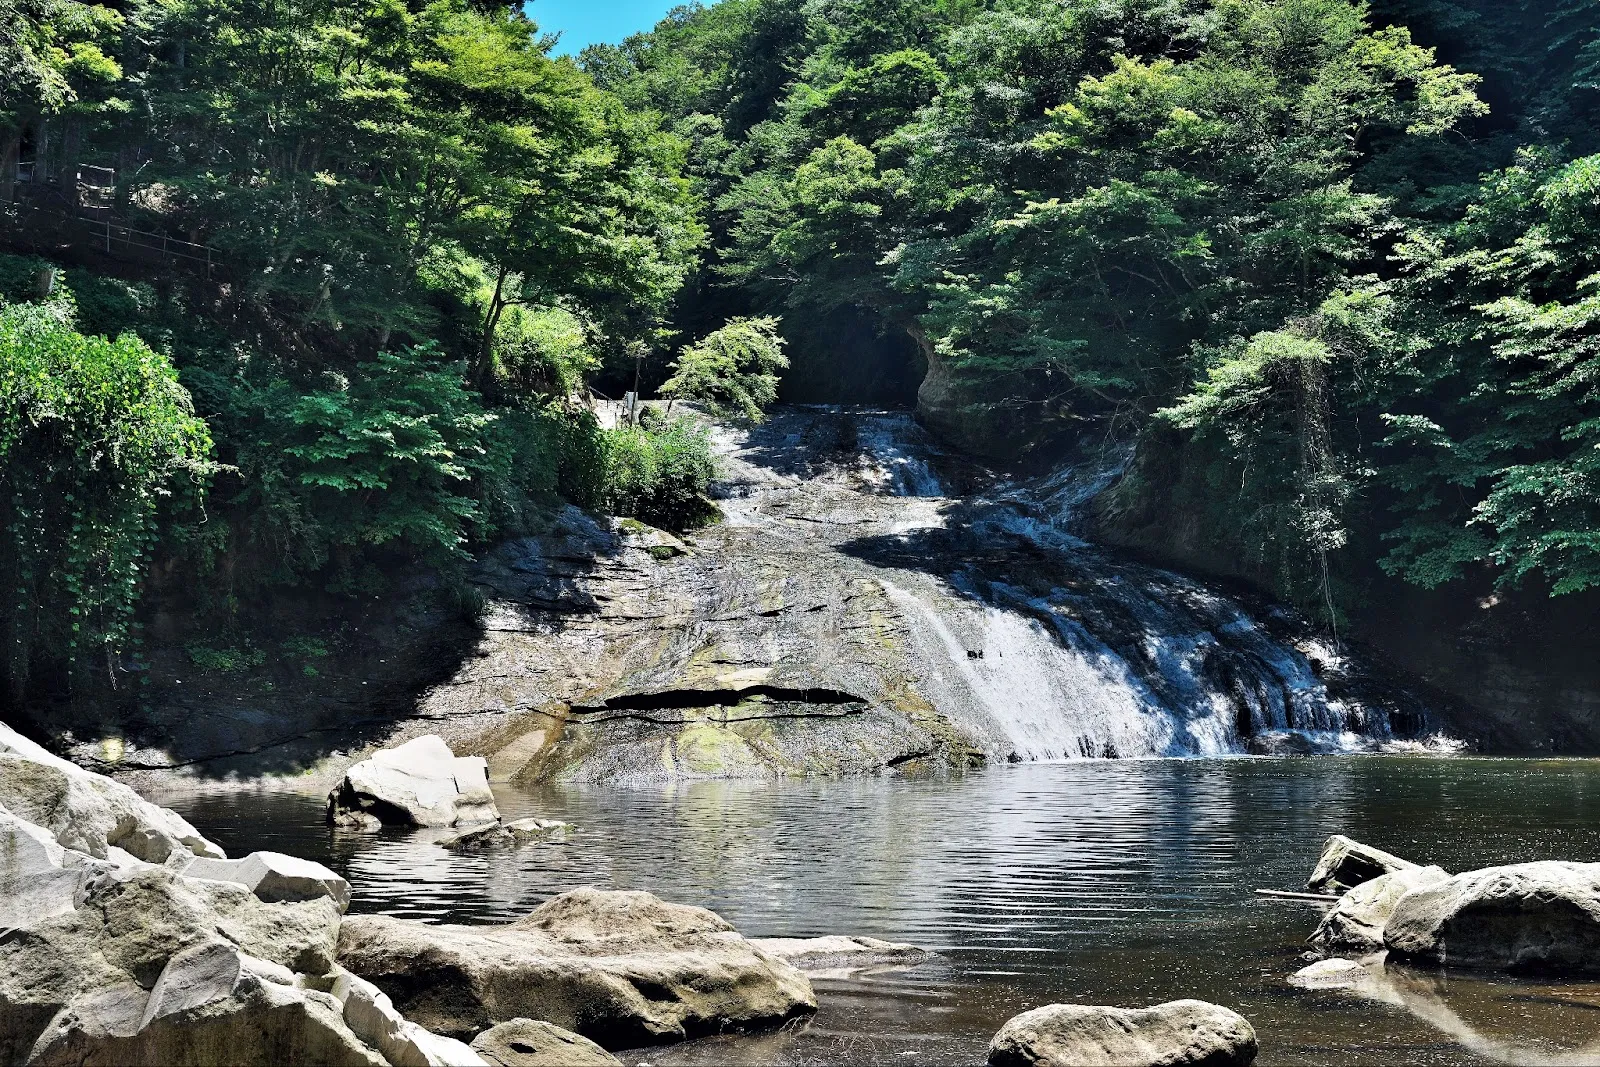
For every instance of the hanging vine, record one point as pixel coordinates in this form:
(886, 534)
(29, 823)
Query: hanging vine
(94, 433)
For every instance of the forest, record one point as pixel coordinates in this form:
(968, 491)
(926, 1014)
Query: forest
(1331, 269)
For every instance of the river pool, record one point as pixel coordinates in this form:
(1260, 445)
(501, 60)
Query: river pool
(1108, 882)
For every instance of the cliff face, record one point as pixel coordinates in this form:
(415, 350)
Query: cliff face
(1517, 671)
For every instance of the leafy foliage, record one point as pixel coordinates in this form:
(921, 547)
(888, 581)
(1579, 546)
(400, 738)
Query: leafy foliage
(734, 370)
(94, 433)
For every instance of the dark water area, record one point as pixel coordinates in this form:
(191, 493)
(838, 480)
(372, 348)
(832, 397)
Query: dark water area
(1111, 882)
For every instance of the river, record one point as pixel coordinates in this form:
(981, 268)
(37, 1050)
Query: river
(1123, 882)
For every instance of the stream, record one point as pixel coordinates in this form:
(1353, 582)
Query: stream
(1122, 882)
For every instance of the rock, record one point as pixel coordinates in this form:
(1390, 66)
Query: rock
(534, 1043)
(838, 955)
(506, 835)
(526, 830)
(211, 1004)
(372, 1017)
(274, 877)
(1167, 1035)
(1330, 974)
(1527, 916)
(89, 812)
(1345, 864)
(419, 783)
(109, 959)
(622, 968)
(36, 881)
(1357, 920)
(358, 821)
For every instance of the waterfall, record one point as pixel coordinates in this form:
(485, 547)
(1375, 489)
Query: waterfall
(1049, 647)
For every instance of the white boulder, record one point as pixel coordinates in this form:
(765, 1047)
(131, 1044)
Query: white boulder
(1345, 863)
(1523, 917)
(1181, 1033)
(274, 877)
(419, 783)
(89, 812)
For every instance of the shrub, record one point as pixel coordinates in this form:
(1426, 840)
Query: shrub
(389, 456)
(659, 475)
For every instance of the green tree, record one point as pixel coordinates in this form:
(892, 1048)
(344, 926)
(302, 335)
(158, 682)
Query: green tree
(734, 371)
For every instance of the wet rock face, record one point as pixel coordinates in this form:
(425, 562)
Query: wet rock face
(1176, 1034)
(870, 603)
(1540, 917)
(419, 783)
(623, 969)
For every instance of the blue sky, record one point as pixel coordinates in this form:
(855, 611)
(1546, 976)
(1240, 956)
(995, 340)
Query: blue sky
(586, 22)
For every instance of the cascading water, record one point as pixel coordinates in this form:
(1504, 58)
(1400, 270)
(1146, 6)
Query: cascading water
(1046, 646)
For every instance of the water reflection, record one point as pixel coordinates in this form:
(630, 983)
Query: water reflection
(1106, 882)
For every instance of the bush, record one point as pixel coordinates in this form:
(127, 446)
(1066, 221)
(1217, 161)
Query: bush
(93, 434)
(659, 476)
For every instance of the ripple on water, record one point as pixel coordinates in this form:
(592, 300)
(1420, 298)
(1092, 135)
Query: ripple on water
(1112, 882)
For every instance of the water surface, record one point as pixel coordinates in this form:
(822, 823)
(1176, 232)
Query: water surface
(1120, 882)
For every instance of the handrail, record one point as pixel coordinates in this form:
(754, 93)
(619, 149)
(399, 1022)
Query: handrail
(122, 233)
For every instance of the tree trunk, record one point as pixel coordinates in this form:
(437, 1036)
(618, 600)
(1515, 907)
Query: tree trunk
(484, 366)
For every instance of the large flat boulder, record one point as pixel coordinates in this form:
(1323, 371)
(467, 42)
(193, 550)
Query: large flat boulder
(1346, 863)
(1176, 1034)
(1356, 922)
(623, 969)
(274, 877)
(1524, 917)
(89, 812)
(535, 1043)
(419, 783)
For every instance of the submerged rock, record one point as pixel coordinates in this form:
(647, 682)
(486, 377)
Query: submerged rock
(513, 834)
(1331, 974)
(88, 812)
(1527, 916)
(419, 783)
(1357, 920)
(621, 968)
(272, 876)
(1178, 1033)
(534, 1043)
(838, 954)
(1346, 863)
(358, 821)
